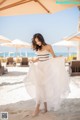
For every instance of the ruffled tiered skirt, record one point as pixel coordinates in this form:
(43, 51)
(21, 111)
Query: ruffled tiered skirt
(48, 81)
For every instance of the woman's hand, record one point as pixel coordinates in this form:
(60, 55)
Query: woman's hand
(30, 61)
(33, 60)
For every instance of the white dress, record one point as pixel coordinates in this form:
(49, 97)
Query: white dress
(47, 80)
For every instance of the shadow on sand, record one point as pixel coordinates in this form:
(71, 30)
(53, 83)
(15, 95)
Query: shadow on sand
(8, 83)
(70, 110)
(14, 73)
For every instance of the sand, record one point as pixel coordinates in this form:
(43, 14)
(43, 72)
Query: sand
(15, 100)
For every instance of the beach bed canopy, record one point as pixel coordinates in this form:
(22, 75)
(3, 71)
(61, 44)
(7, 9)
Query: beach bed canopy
(67, 44)
(17, 44)
(20, 7)
(76, 37)
(4, 39)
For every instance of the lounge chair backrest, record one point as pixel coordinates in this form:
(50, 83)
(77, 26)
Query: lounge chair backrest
(24, 59)
(10, 59)
(0, 64)
(74, 58)
(75, 63)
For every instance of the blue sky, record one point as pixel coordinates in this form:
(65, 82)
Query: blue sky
(52, 26)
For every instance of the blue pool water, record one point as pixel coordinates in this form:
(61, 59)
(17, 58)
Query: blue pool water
(30, 54)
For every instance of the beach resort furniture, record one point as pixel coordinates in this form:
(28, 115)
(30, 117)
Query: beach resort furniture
(18, 60)
(74, 58)
(10, 62)
(24, 61)
(74, 68)
(2, 69)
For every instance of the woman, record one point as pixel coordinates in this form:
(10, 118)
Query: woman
(47, 80)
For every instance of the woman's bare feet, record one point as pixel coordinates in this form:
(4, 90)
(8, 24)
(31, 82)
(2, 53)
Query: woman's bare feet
(45, 106)
(44, 111)
(36, 111)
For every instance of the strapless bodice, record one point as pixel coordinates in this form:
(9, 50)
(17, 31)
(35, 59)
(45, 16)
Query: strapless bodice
(43, 55)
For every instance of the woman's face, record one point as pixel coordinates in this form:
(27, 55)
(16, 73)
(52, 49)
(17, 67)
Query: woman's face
(38, 42)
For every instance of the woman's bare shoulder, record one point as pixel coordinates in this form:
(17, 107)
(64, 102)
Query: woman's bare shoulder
(49, 46)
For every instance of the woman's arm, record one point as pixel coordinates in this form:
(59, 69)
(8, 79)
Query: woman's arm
(34, 60)
(50, 49)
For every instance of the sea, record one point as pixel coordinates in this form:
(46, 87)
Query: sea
(30, 54)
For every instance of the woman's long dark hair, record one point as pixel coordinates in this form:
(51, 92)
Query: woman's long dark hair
(41, 39)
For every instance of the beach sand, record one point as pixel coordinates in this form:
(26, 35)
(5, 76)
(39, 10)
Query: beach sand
(15, 100)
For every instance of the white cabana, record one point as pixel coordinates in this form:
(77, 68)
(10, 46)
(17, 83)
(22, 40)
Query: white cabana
(67, 44)
(17, 44)
(4, 39)
(76, 37)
